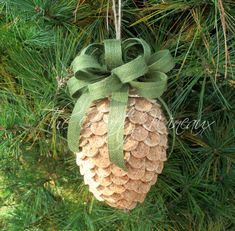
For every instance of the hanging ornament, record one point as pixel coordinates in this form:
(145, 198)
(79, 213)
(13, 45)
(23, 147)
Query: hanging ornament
(117, 130)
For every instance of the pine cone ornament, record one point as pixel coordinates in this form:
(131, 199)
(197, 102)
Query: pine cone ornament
(145, 144)
(117, 131)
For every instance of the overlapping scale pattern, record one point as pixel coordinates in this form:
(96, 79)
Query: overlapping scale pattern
(145, 144)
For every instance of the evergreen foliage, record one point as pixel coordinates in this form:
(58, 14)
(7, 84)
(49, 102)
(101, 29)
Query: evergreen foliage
(40, 184)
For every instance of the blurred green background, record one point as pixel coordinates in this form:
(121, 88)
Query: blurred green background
(40, 185)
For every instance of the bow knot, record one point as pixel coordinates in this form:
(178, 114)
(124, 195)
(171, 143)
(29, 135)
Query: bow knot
(109, 69)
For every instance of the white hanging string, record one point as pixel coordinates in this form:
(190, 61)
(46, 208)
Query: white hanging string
(119, 19)
(117, 13)
(107, 16)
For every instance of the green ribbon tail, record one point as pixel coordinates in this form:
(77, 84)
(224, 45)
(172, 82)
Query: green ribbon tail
(116, 124)
(76, 121)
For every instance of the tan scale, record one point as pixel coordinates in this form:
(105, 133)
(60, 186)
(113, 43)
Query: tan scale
(145, 145)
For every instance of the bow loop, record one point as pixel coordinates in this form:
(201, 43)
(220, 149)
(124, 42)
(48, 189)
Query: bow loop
(85, 63)
(145, 50)
(111, 47)
(161, 61)
(109, 70)
(131, 70)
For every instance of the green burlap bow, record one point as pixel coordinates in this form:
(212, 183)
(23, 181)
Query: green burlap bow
(111, 69)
